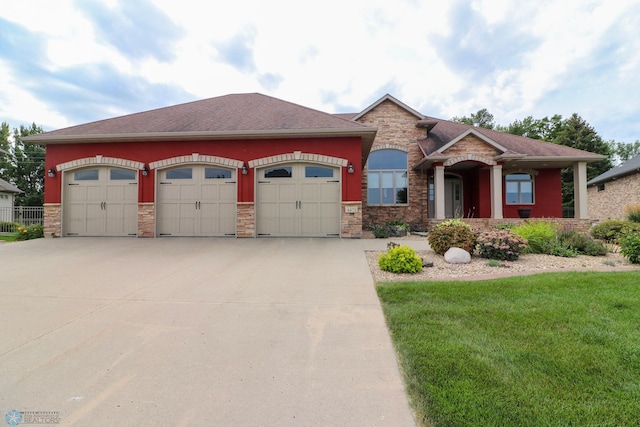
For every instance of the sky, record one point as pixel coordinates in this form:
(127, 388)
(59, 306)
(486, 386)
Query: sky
(68, 62)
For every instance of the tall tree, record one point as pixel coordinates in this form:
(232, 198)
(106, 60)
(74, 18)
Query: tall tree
(482, 118)
(621, 151)
(545, 129)
(5, 151)
(575, 132)
(26, 167)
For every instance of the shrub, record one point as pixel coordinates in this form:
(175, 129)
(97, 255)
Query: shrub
(400, 259)
(452, 233)
(539, 235)
(630, 247)
(380, 232)
(29, 232)
(501, 245)
(612, 230)
(581, 243)
(633, 213)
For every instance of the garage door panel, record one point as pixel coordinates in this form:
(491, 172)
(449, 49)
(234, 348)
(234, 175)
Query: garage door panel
(204, 204)
(309, 191)
(227, 193)
(169, 192)
(115, 193)
(188, 192)
(305, 204)
(287, 191)
(96, 205)
(209, 192)
(95, 193)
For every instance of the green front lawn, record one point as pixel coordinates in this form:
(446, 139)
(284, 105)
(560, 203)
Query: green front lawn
(10, 238)
(545, 350)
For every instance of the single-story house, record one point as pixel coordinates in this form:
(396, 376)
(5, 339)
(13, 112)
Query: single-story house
(250, 165)
(7, 195)
(610, 193)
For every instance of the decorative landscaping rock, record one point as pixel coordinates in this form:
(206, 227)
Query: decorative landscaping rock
(457, 256)
(426, 264)
(396, 231)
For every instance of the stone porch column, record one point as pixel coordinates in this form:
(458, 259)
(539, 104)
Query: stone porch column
(496, 192)
(580, 190)
(438, 184)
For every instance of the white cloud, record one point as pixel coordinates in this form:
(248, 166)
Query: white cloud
(336, 54)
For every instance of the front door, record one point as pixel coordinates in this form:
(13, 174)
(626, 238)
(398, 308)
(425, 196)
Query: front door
(453, 198)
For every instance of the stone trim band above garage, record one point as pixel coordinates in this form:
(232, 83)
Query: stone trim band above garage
(298, 156)
(99, 160)
(196, 158)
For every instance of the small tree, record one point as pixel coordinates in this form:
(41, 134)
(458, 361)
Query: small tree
(24, 166)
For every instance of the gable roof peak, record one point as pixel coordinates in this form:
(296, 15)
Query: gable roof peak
(394, 100)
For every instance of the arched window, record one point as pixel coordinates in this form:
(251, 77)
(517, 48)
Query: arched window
(519, 188)
(387, 178)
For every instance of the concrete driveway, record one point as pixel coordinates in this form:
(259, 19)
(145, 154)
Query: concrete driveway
(195, 332)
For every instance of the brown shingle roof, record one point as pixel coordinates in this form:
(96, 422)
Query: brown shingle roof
(446, 131)
(236, 115)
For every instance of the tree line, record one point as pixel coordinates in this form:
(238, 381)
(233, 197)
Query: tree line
(572, 132)
(22, 163)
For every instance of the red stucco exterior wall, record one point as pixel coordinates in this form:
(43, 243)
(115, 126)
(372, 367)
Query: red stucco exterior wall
(547, 196)
(244, 150)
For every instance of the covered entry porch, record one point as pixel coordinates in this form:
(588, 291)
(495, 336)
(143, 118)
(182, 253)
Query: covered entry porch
(473, 186)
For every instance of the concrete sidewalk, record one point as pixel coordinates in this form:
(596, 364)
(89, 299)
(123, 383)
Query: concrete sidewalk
(196, 332)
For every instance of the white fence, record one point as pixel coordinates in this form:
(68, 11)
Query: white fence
(23, 215)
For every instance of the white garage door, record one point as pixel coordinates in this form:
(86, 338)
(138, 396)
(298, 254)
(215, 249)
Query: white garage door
(196, 200)
(101, 201)
(298, 200)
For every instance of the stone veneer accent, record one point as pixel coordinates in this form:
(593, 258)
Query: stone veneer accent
(246, 220)
(100, 160)
(52, 220)
(397, 130)
(351, 222)
(611, 202)
(146, 219)
(470, 144)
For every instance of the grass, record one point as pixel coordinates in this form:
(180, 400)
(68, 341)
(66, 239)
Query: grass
(9, 238)
(550, 349)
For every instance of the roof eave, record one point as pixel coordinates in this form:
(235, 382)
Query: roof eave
(44, 139)
(428, 161)
(562, 159)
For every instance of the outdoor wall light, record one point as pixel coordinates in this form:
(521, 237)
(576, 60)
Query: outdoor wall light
(145, 170)
(350, 168)
(244, 169)
(51, 173)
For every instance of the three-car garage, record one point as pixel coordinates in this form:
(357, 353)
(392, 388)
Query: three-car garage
(241, 165)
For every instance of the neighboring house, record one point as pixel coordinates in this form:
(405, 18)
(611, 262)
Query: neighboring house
(7, 195)
(610, 193)
(249, 165)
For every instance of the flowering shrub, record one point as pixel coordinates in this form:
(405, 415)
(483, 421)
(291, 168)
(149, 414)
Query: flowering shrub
(453, 233)
(501, 245)
(29, 232)
(400, 259)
